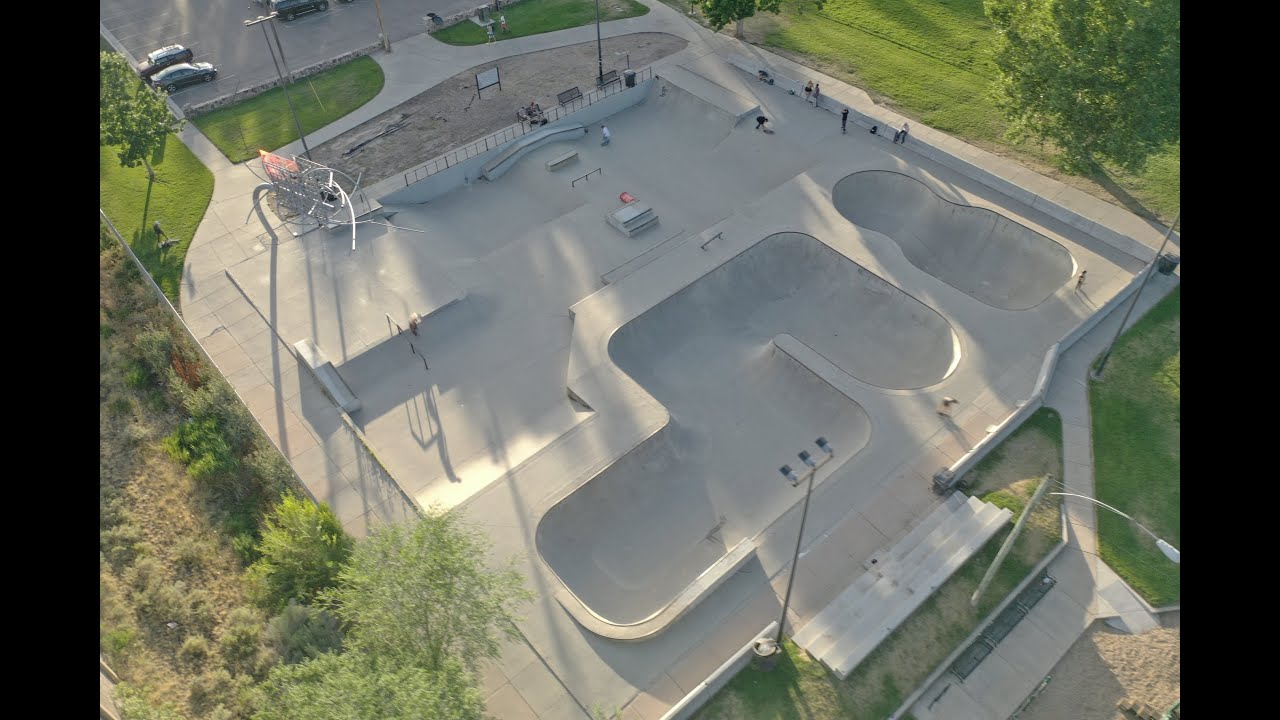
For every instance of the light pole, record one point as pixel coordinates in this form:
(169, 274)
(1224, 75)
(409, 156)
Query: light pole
(1169, 551)
(599, 48)
(283, 82)
(795, 480)
(1097, 372)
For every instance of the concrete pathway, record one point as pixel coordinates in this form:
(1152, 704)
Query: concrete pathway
(321, 443)
(1087, 588)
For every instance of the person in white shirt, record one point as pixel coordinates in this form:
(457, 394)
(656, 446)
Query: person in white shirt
(604, 133)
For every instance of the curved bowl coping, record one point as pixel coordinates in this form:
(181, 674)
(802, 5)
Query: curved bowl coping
(704, 585)
(1010, 266)
(495, 168)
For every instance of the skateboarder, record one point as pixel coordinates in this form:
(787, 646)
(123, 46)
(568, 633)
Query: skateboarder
(604, 133)
(944, 408)
(760, 121)
(1080, 280)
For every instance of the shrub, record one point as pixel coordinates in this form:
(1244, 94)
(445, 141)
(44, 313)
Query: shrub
(123, 544)
(115, 642)
(200, 445)
(241, 640)
(194, 649)
(137, 378)
(154, 596)
(217, 401)
(217, 687)
(300, 633)
(303, 547)
(153, 348)
(193, 554)
(135, 705)
(273, 473)
(201, 612)
(120, 405)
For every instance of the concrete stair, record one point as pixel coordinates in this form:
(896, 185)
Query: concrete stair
(842, 634)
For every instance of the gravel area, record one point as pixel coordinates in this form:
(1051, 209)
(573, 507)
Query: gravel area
(1105, 666)
(450, 114)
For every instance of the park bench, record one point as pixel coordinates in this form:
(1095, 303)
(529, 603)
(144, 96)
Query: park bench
(607, 78)
(569, 95)
(564, 159)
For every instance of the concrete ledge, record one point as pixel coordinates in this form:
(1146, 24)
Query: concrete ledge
(705, 690)
(496, 167)
(704, 585)
(735, 105)
(311, 356)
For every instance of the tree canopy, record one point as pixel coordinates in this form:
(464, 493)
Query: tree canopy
(1100, 78)
(423, 593)
(722, 12)
(131, 116)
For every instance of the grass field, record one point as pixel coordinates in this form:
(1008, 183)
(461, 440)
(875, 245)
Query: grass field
(932, 61)
(799, 688)
(264, 122)
(178, 199)
(533, 17)
(1136, 411)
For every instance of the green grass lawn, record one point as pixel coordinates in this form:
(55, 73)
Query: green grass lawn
(799, 688)
(932, 60)
(1136, 411)
(264, 122)
(178, 199)
(533, 17)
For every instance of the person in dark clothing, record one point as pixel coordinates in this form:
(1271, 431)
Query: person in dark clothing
(760, 121)
(844, 119)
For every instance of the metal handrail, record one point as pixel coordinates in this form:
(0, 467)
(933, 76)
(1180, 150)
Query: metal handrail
(511, 132)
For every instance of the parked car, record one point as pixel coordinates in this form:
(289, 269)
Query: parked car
(290, 9)
(184, 74)
(164, 57)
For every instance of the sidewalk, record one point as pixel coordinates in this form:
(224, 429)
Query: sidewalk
(1087, 589)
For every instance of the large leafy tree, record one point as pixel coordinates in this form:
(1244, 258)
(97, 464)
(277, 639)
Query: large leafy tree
(303, 547)
(722, 12)
(355, 684)
(422, 593)
(1100, 78)
(131, 116)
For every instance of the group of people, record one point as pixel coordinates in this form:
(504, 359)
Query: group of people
(502, 20)
(813, 93)
(532, 114)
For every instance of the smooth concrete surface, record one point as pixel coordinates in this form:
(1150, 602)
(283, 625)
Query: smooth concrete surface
(489, 429)
(975, 250)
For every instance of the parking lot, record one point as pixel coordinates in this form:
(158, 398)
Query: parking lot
(217, 34)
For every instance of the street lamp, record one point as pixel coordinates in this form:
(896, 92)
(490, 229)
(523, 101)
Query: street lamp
(283, 83)
(1169, 551)
(795, 480)
(599, 48)
(1097, 373)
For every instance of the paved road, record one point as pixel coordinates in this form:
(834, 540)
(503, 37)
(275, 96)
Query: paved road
(217, 34)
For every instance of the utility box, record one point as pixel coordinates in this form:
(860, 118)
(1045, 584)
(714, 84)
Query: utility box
(1167, 263)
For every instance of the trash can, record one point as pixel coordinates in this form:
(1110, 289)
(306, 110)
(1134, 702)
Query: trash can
(767, 653)
(629, 78)
(1167, 263)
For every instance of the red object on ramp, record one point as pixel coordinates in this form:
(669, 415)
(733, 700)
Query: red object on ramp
(626, 197)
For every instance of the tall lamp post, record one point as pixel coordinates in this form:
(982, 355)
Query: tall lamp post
(599, 48)
(1169, 551)
(1097, 372)
(283, 82)
(795, 480)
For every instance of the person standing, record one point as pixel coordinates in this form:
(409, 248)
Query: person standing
(944, 409)
(817, 93)
(1080, 280)
(489, 30)
(901, 135)
(604, 133)
(844, 120)
(503, 19)
(808, 88)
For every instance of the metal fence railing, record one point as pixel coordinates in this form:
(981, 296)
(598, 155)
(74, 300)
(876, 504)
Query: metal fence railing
(515, 130)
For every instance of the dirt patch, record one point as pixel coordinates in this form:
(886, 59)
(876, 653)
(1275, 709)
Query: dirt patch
(451, 115)
(1104, 667)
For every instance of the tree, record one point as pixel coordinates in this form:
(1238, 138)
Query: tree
(130, 115)
(301, 633)
(722, 12)
(303, 547)
(1100, 78)
(357, 685)
(420, 594)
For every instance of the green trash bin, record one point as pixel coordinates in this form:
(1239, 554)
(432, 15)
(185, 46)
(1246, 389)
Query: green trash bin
(1166, 263)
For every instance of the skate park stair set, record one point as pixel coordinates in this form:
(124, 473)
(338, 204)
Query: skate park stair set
(898, 579)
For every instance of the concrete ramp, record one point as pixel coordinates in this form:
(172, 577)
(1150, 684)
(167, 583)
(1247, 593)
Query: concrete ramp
(725, 101)
(495, 168)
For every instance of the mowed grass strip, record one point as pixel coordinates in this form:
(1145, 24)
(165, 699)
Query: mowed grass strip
(800, 688)
(534, 17)
(932, 60)
(178, 199)
(263, 122)
(1137, 439)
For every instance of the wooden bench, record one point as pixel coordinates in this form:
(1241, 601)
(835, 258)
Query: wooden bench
(564, 159)
(607, 78)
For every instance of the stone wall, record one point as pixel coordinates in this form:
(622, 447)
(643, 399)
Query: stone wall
(248, 92)
(468, 14)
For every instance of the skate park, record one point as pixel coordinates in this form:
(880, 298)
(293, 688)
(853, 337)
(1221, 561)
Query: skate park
(614, 408)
